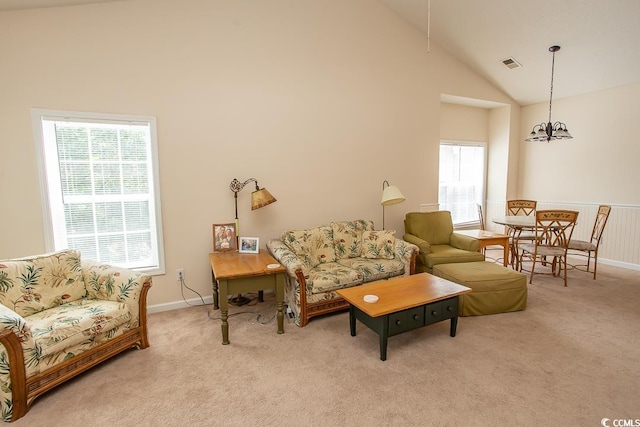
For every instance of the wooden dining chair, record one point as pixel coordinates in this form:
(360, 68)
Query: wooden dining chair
(591, 247)
(520, 207)
(553, 232)
(480, 216)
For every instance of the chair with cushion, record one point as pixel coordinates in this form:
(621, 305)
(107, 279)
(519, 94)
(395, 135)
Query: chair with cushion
(520, 207)
(553, 232)
(591, 247)
(433, 233)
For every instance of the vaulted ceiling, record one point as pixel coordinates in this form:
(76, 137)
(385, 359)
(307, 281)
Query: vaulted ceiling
(600, 40)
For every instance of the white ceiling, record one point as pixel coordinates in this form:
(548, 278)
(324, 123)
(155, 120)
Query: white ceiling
(600, 40)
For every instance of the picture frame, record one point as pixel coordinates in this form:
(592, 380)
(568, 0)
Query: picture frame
(224, 237)
(248, 245)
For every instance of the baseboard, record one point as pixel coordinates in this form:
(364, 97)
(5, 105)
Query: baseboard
(176, 305)
(157, 308)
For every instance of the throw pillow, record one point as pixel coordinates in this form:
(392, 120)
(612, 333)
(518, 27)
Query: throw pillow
(347, 237)
(378, 244)
(321, 245)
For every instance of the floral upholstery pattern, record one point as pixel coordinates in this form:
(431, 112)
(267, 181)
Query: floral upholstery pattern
(33, 284)
(75, 322)
(374, 269)
(331, 276)
(313, 245)
(59, 307)
(378, 244)
(386, 257)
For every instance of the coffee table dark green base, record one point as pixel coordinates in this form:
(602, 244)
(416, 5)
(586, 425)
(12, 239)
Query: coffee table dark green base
(406, 320)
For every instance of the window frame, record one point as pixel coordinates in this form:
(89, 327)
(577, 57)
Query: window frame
(484, 145)
(40, 119)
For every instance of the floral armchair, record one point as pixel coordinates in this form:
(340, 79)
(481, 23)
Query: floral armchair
(60, 316)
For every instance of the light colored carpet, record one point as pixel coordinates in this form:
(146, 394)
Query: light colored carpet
(571, 358)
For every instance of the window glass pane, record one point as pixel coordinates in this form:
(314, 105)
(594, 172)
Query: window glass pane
(72, 141)
(107, 178)
(75, 179)
(137, 216)
(111, 249)
(135, 178)
(109, 217)
(135, 141)
(86, 245)
(140, 248)
(104, 144)
(79, 218)
(461, 183)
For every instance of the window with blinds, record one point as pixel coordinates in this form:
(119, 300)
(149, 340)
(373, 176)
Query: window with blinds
(100, 187)
(462, 180)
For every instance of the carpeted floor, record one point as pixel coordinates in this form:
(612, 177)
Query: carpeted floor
(571, 358)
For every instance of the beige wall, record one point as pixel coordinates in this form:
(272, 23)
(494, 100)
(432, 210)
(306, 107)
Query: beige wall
(320, 101)
(600, 163)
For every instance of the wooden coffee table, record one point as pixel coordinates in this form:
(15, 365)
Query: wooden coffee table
(404, 303)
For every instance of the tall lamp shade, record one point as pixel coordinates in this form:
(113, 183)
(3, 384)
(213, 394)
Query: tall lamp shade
(391, 195)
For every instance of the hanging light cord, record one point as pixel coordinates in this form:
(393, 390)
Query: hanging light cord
(553, 62)
(429, 26)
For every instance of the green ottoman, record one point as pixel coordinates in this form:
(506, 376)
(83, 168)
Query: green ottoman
(496, 289)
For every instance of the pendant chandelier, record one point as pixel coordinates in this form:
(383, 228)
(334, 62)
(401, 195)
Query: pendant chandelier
(548, 131)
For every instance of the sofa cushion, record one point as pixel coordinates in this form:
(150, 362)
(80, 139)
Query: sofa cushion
(347, 237)
(445, 254)
(378, 244)
(314, 245)
(374, 269)
(31, 285)
(330, 276)
(69, 324)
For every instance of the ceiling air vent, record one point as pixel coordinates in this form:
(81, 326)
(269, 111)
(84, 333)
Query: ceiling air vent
(511, 63)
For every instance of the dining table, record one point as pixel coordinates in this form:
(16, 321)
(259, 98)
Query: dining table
(516, 224)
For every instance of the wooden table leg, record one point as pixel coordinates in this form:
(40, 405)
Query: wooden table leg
(280, 299)
(352, 320)
(224, 311)
(384, 338)
(454, 326)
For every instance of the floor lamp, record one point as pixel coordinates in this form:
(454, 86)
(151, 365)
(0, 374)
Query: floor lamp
(259, 198)
(390, 196)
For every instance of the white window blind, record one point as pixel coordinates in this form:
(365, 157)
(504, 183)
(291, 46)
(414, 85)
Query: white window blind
(100, 187)
(462, 180)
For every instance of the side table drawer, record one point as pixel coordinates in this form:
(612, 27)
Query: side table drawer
(406, 320)
(441, 310)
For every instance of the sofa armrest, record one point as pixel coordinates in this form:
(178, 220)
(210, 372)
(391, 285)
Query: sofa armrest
(111, 283)
(407, 252)
(464, 242)
(18, 359)
(423, 245)
(286, 257)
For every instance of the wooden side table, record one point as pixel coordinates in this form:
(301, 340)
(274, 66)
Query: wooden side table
(488, 238)
(235, 273)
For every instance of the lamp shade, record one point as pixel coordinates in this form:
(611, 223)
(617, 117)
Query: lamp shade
(391, 195)
(261, 198)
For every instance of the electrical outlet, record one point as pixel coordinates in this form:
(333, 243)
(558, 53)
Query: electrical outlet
(180, 274)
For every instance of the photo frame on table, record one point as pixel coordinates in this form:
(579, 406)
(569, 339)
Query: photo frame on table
(248, 245)
(224, 237)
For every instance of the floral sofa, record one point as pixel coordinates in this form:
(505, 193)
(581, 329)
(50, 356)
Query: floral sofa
(321, 260)
(60, 316)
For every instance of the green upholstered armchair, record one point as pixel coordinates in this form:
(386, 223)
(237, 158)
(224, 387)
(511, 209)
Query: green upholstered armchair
(433, 233)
